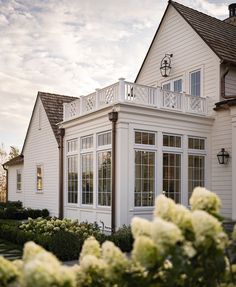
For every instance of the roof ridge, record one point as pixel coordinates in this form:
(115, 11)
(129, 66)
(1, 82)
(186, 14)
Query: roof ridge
(53, 94)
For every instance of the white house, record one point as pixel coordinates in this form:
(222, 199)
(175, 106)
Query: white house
(126, 143)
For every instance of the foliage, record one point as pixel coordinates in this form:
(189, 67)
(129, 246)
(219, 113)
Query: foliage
(14, 210)
(14, 152)
(163, 255)
(122, 238)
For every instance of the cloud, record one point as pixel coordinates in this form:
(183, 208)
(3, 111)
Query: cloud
(70, 47)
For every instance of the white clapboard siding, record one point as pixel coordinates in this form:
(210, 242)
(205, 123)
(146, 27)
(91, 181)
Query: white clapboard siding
(189, 51)
(41, 149)
(230, 83)
(222, 174)
(13, 193)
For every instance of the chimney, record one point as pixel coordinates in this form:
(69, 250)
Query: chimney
(232, 15)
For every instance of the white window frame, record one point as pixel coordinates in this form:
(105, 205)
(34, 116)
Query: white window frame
(201, 81)
(84, 152)
(148, 148)
(197, 152)
(174, 150)
(70, 154)
(36, 173)
(102, 148)
(18, 171)
(171, 82)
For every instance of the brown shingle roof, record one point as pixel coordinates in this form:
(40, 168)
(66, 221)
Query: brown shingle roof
(53, 105)
(14, 161)
(218, 35)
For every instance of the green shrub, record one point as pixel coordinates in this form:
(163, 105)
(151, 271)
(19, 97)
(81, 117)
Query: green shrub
(122, 238)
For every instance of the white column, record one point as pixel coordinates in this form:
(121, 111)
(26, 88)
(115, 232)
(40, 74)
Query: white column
(121, 96)
(159, 165)
(184, 175)
(233, 160)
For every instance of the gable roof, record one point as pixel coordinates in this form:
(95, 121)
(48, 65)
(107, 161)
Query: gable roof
(53, 105)
(217, 34)
(15, 161)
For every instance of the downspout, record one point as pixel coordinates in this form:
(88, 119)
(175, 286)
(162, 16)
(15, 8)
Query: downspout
(6, 169)
(61, 173)
(113, 117)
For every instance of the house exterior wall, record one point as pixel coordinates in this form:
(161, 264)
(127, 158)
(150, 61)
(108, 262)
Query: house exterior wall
(13, 193)
(130, 119)
(41, 149)
(222, 174)
(190, 53)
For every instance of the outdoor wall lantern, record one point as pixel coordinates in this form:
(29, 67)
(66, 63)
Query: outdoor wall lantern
(166, 65)
(223, 156)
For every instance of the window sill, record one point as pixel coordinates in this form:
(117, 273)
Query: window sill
(39, 192)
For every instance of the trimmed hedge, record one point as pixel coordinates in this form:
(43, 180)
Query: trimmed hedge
(65, 245)
(14, 210)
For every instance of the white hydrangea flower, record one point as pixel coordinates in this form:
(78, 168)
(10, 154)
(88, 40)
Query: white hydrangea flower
(91, 262)
(165, 234)
(31, 250)
(189, 250)
(208, 229)
(145, 252)
(140, 226)
(234, 233)
(204, 199)
(112, 254)
(8, 272)
(164, 207)
(182, 217)
(90, 247)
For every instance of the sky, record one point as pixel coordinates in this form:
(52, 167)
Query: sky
(72, 47)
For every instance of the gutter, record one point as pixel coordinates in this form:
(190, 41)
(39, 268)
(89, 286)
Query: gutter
(113, 117)
(222, 81)
(61, 173)
(6, 181)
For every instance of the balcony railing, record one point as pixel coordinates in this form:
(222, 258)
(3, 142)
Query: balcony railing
(126, 92)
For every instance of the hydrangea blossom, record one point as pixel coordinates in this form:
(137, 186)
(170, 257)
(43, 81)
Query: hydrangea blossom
(208, 230)
(165, 234)
(140, 226)
(8, 273)
(145, 252)
(90, 247)
(204, 199)
(164, 207)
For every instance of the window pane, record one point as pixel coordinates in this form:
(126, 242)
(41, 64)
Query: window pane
(166, 87)
(195, 83)
(172, 176)
(145, 138)
(87, 142)
(144, 178)
(178, 86)
(196, 172)
(87, 178)
(72, 146)
(196, 143)
(172, 141)
(104, 178)
(18, 180)
(39, 178)
(104, 139)
(72, 179)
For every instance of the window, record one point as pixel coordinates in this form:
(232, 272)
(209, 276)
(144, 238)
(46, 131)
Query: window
(87, 170)
(195, 83)
(196, 172)
(144, 138)
(104, 178)
(87, 142)
(196, 143)
(172, 141)
(18, 180)
(72, 178)
(39, 178)
(196, 163)
(72, 171)
(173, 85)
(144, 193)
(172, 176)
(104, 139)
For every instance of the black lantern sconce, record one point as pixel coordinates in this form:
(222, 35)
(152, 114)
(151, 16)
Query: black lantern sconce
(223, 156)
(166, 65)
